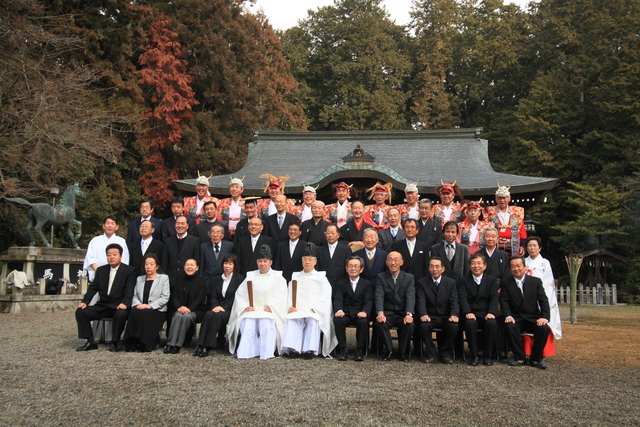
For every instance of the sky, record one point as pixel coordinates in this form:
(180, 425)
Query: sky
(283, 14)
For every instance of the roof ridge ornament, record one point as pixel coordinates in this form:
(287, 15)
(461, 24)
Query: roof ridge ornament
(358, 155)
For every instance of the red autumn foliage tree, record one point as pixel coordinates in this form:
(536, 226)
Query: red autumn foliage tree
(169, 99)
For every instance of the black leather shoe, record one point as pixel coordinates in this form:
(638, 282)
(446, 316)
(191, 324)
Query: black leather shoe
(197, 350)
(308, 355)
(175, 350)
(473, 361)
(204, 352)
(429, 360)
(168, 349)
(343, 354)
(516, 363)
(539, 365)
(359, 357)
(293, 354)
(447, 361)
(403, 358)
(387, 357)
(113, 347)
(88, 346)
(488, 361)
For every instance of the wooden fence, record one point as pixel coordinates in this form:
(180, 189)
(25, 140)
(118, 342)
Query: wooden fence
(589, 295)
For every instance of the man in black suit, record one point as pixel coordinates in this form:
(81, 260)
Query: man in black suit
(211, 255)
(430, 232)
(392, 234)
(333, 256)
(375, 259)
(114, 283)
(414, 252)
(168, 228)
(454, 256)
(242, 227)
(352, 304)
(478, 296)
(352, 232)
(526, 309)
(289, 253)
(203, 230)
(497, 259)
(248, 248)
(277, 225)
(395, 297)
(416, 262)
(313, 229)
(145, 245)
(179, 248)
(438, 308)
(146, 213)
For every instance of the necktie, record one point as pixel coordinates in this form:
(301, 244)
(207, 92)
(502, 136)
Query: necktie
(393, 233)
(112, 275)
(332, 248)
(520, 283)
(410, 246)
(280, 220)
(144, 247)
(449, 251)
(436, 283)
(370, 255)
(216, 250)
(354, 285)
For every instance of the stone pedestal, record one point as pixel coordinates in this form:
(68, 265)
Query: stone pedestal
(64, 264)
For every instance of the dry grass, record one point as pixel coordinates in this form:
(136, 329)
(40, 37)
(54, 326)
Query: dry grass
(607, 336)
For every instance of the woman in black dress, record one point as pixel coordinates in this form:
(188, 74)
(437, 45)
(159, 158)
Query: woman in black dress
(148, 308)
(188, 301)
(215, 320)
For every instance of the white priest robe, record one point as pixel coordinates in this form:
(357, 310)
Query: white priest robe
(314, 293)
(541, 268)
(269, 289)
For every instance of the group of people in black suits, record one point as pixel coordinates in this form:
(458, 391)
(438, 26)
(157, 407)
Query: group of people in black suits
(411, 276)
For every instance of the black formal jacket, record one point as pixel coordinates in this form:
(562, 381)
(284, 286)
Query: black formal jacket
(121, 290)
(418, 264)
(429, 232)
(350, 302)
(174, 260)
(169, 227)
(188, 291)
(460, 260)
(531, 306)
(395, 299)
(439, 302)
(226, 301)
(497, 264)
(374, 267)
(211, 267)
(276, 233)
(334, 267)
(286, 262)
(203, 230)
(350, 233)
(478, 299)
(386, 240)
(133, 230)
(314, 233)
(247, 259)
(136, 257)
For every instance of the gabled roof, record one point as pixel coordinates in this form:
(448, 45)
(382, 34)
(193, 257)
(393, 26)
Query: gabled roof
(319, 158)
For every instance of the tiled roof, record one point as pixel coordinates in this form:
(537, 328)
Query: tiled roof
(319, 158)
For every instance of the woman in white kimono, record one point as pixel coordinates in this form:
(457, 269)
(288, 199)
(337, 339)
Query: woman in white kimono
(539, 267)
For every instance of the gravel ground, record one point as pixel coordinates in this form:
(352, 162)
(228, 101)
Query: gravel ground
(46, 382)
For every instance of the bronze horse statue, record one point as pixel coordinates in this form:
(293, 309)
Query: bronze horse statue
(64, 213)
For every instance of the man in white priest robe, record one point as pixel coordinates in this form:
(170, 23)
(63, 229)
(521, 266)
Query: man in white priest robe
(311, 314)
(256, 329)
